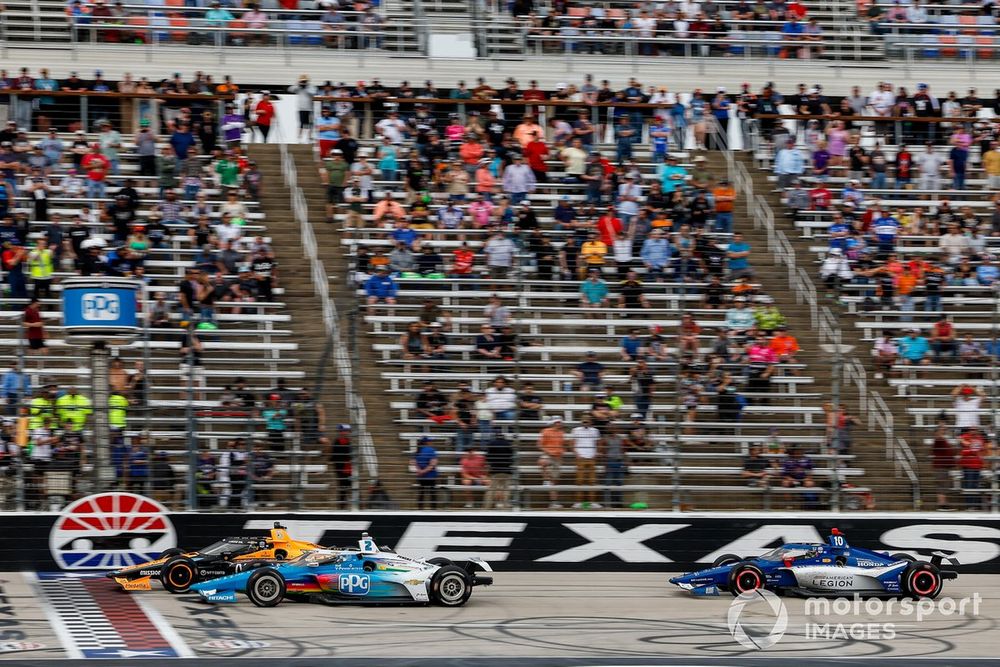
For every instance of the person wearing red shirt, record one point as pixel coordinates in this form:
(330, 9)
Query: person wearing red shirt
(536, 153)
(797, 9)
(904, 168)
(609, 227)
(943, 339)
(784, 345)
(96, 166)
(943, 462)
(264, 114)
(970, 460)
(34, 328)
(820, 198)
(462, 261)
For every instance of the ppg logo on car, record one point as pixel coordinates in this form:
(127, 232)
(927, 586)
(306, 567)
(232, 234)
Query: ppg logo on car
(101, 307)
(354, 584)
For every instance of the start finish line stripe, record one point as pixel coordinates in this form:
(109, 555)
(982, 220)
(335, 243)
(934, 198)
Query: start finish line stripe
(95, 620)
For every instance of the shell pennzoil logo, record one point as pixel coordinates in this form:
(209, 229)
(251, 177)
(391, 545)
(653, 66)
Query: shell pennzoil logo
(110, 530)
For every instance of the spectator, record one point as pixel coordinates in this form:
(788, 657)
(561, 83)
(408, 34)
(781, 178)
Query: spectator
(500, 459)
(594, 291)
(475, 473)
(425, 462)
(529, 404)
(943, 339)
(970, 461)
(656, 253)
(756, 469)
(788, 165)
(502, 399)
(589, 373)
(34, 328)
(341, 450)
(431, 404)
(499, 251)
(968, 402)
(913, 349)
(585, 447)
(380, 287)
(971, 352)
(205, 476)
(943, 462)
(463, 414)
(613, 448)
(275, 416)
(96, 165)
(738, 254)
(260, 471)
(796, 473)
(518, 180)
(739, 319)
(552, 444)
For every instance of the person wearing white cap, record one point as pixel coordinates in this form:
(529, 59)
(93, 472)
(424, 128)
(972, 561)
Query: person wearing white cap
(305, 94)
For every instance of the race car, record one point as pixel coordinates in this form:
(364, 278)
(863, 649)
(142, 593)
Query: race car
(368, 574)
(831, 569)
(178, 569)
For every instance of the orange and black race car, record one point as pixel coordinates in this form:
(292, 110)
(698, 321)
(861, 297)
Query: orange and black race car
(178, 569)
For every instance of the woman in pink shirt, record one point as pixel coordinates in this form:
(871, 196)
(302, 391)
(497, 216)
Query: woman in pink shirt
(836, 137)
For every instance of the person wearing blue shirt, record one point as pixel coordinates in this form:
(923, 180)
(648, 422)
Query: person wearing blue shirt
(720, 110)
(699, 109)
(631, 345)
(678, 118)
(839, 233)
(182, 141)
(655, 254)
(671, 175)
(659, 134)
(788, 165)
(381, 287)
(138, 467)
(564, 213)
(958, 160)
(16, 388)
(913, 348)
(405, 234)
(593, 291)
(425, 464)
(885, 229)
(987, 273)
(738, 254)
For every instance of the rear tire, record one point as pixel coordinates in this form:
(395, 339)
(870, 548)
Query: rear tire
(903, 557)
(921, 580)
(451, 586)
(440, 561)
(266, 587)
(746, 578)
(178, 574)
(726, 559)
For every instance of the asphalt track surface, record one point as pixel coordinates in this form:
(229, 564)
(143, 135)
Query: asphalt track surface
(525, 619)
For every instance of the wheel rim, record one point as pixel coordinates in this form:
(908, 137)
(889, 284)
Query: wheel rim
(181, 575)
(452, 588)
(748, 581)
(267, 588)
(923, 583)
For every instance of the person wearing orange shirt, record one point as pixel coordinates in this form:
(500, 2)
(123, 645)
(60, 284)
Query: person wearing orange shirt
(906, 283)
(525, 132)
(470, 152)
(462, 261)
(725, 200)
(552, 444)
(784, 345)
(485, 181)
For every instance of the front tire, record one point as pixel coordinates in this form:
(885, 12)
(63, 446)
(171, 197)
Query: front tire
(265, 587)
(178, 574)
(903, 557)
(451, 587)
(171, 552)
(746, 578)
(726, 559)
(921, 580)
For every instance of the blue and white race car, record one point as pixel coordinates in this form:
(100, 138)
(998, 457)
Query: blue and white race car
(831, 569)
(368, 574)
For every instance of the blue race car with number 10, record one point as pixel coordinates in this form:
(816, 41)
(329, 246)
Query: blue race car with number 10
(831, 569)
(368, 574)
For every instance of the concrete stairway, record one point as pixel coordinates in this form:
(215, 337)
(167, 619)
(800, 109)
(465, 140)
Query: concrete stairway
(891, 492)
(393, 471)
(303, 305)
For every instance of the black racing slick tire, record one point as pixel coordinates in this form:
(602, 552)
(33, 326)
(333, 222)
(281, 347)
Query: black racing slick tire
(171, 552)
(921, 580)
(745, 578)
(266, 587)
(726, 559)
(437, 560)
(178, 574)
(451, 586)
(903, 557)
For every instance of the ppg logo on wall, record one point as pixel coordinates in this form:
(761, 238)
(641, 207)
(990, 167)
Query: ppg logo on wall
(101, 307)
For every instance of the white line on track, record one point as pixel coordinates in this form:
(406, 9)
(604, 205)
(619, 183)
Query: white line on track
(65, 638)
(163, 625)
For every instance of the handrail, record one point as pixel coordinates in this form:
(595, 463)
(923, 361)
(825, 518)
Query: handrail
(906, 462)
(320, 278)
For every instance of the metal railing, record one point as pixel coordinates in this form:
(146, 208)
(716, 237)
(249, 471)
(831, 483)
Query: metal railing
(365, 448)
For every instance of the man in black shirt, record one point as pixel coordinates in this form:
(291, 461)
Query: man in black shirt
(527, 221)
(341, 457)
(119, 217)
(630, 292)
(432, 404)
(529, 403)
(265, 270)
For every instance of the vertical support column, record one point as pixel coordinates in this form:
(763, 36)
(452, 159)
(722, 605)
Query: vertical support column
(104, 474)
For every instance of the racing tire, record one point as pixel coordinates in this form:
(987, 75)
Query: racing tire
(171, 552)
(746, 578)
(903, 557)
(921, 580)
(451, 587)
(726, 559)
(178, 574)
(440, 561)
(266, 587)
